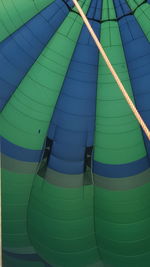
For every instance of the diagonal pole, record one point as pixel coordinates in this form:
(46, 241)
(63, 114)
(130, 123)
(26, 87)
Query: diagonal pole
(112, 70)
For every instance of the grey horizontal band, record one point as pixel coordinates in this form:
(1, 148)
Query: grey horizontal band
(78, 180)
(125, 183)
(18, 166)
(64, 180)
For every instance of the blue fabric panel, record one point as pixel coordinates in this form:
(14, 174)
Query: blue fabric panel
(8, 72)
(90, 136)
(98, 10)
(90, 58)
(74, 114)
(8, 88)
(74, 85)
(69, 3)
(80, 107)
(72, 122)
(27, 257)
(137, 52)
(51, 130)
(69, 137)
(122, 170)
(25, 45)
(121, 8)
(71, 152)
(68, 167)
(143, 98)
(91, 11)
(118, 8)
(95, 10)
(18, 152)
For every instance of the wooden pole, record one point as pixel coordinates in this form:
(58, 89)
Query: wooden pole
(118, 81)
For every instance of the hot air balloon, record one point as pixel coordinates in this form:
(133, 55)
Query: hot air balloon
(75, 161)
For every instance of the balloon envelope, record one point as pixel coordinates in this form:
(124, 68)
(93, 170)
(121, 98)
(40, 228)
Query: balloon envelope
(75, 162)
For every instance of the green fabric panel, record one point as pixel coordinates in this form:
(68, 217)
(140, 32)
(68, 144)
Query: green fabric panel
(21, 185)
(108, 11)
(57, 259)
(118, 138)
(15, 196)
(122, 220)
(66, 215)
(16, 240)
(31, 107)
(126, 248)
(134, 3)
(123, 232)
(67, 210)
(117, 260)
(142, 14)
(118, 206)
(14, 13)
(66, 242)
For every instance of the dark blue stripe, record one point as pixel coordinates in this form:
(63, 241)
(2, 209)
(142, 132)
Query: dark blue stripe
(122, 170)
(97, 14)
(74, 114)
(121, 8)
(18, 152)
(66, 166)
(69, 3)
